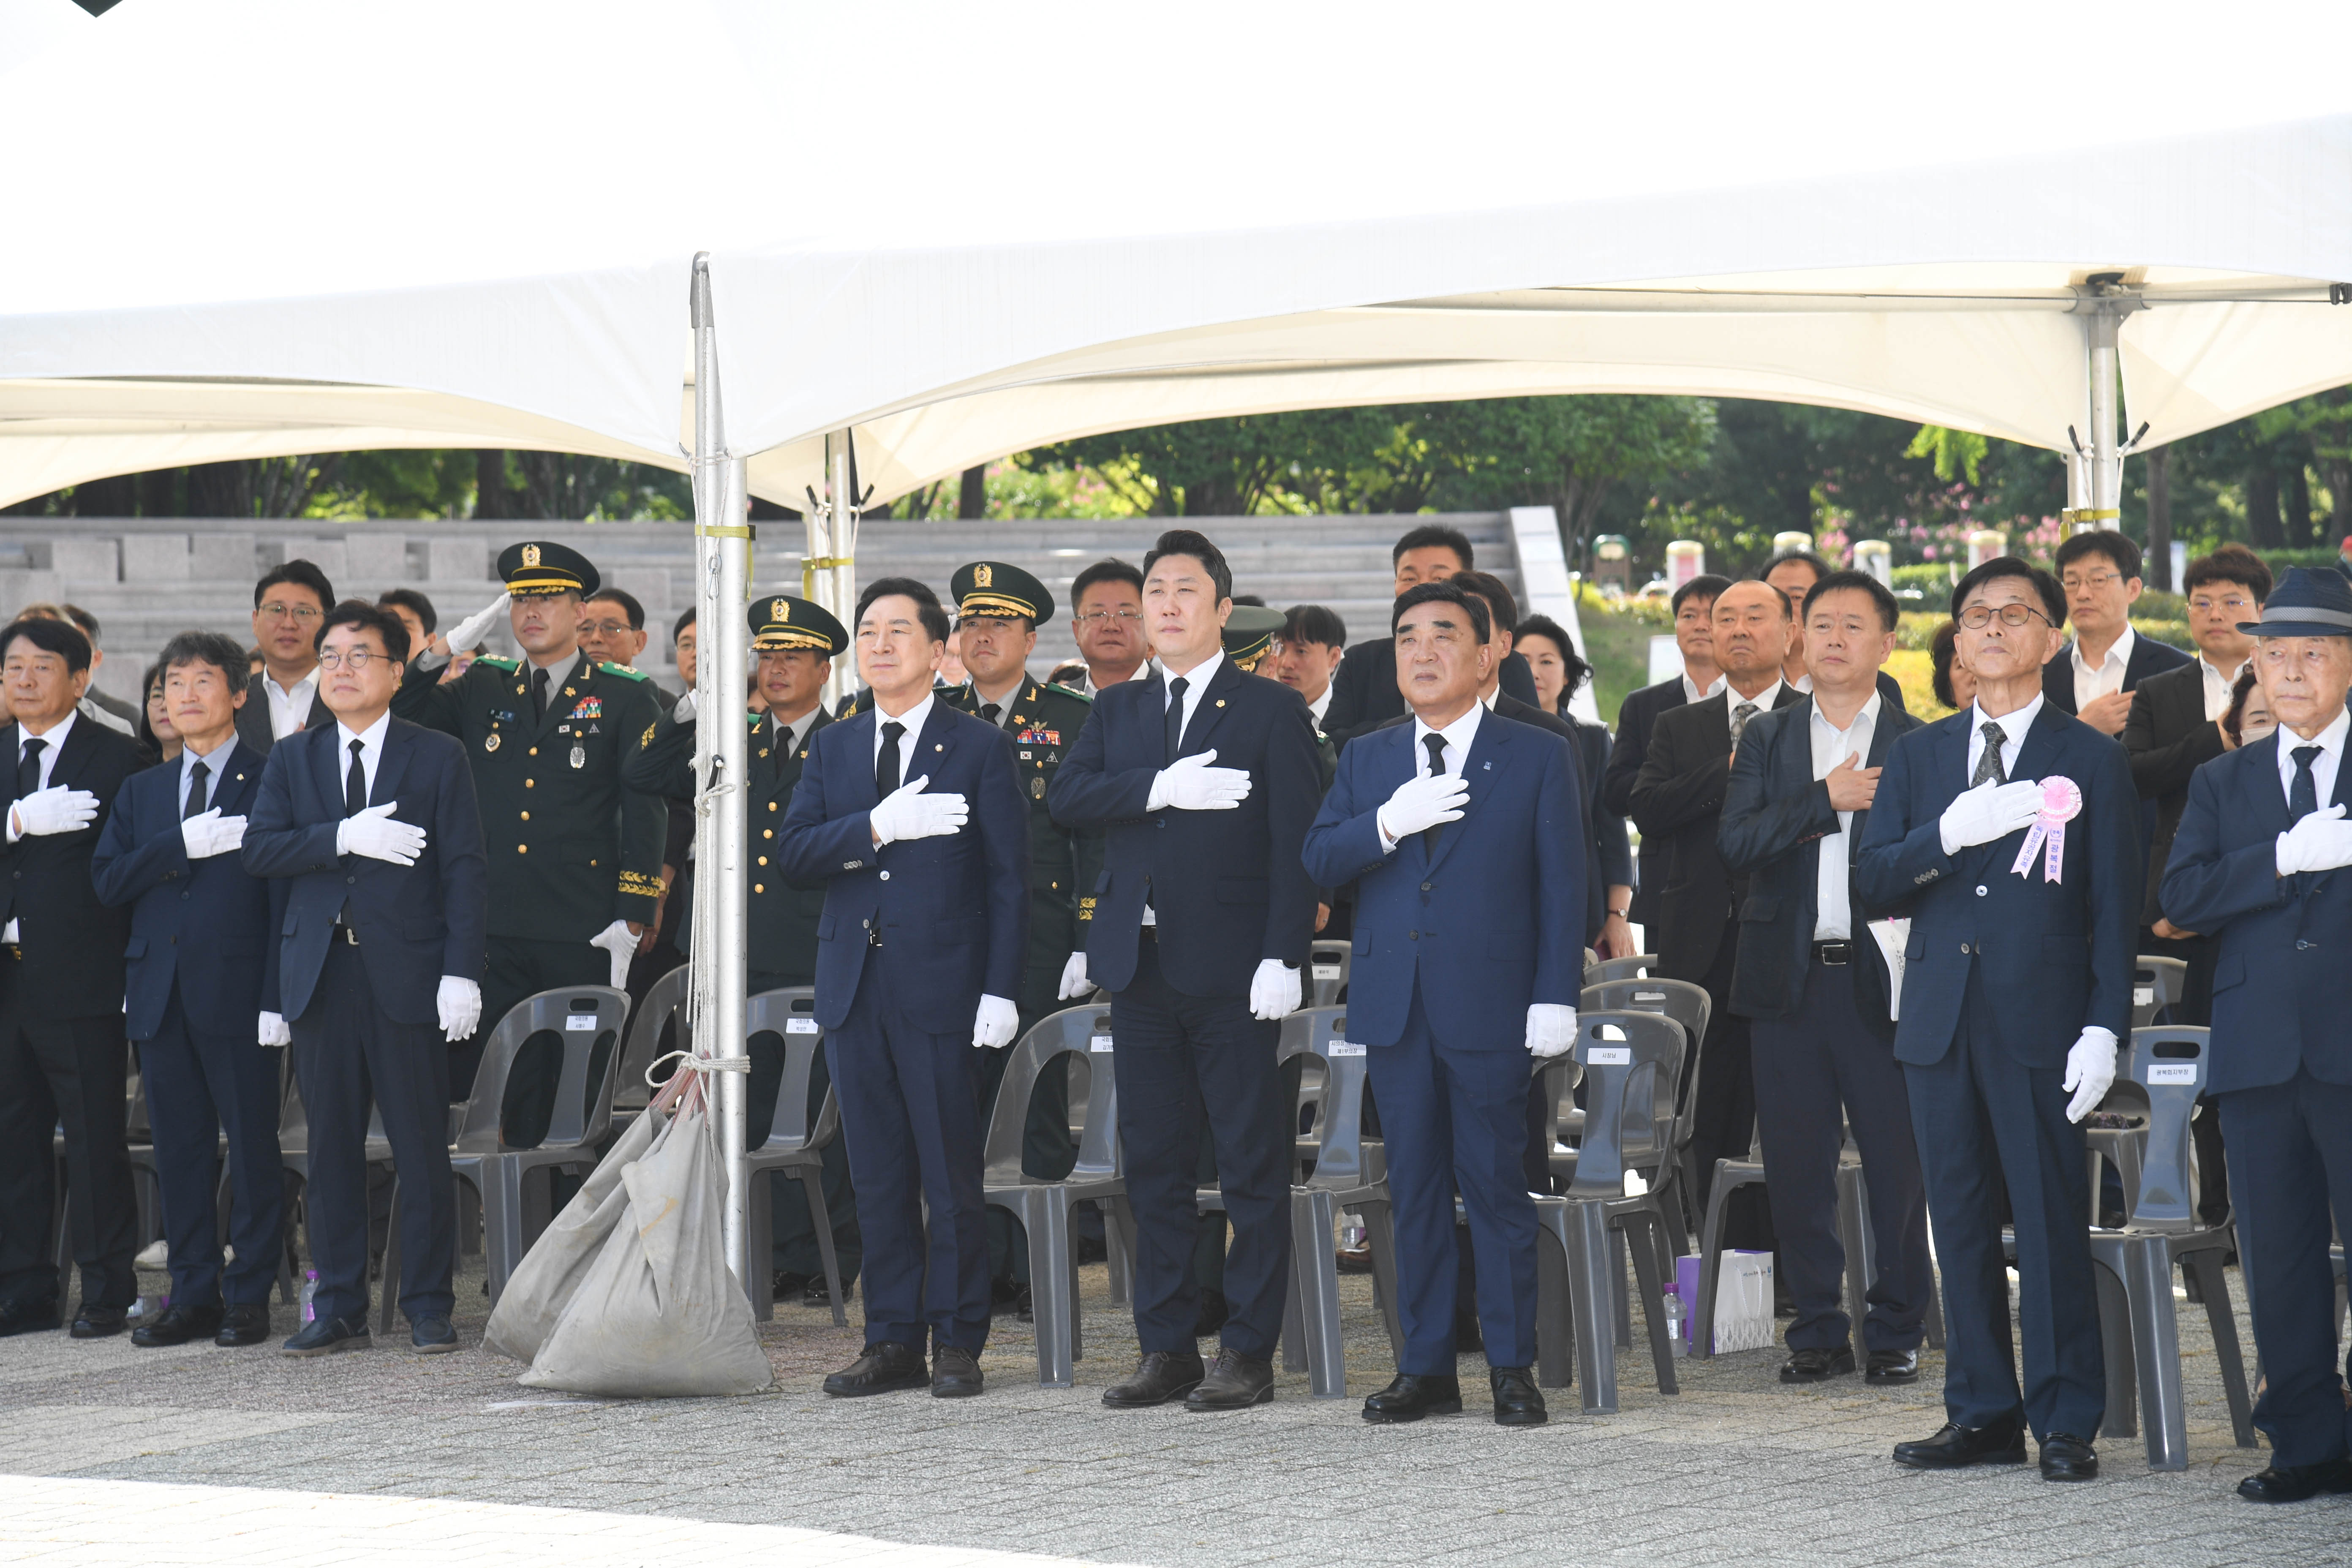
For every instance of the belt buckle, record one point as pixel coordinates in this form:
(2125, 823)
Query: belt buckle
(1835, 954)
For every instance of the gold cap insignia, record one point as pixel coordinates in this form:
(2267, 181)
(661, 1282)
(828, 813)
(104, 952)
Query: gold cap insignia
(779, 609)
(982, 576)
(531, 555)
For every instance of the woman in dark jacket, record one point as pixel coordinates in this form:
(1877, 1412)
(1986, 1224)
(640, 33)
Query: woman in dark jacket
(1559, 672)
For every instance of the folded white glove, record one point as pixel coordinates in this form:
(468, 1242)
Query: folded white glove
(907, 813)
(1987, 812)
(2320, 842)
(995, 1023)
(1074, 978)
(56, 809)
(460, 1004)
(467, 633)
(274, 1032)
(683, 712)
(2090, 1071)
(209, 832)
(1551, 1029)
(1421, 803)
(1273, 989)
(374, 833)
(622, 943)
(1190, 783)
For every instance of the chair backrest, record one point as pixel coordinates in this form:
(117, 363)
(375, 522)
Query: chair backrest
(665, 1000)
(1329, 964)
(2156, 984)
(1608, 968)
(1083, 1032)
(587, 1020)
(1624, 1056)
(2169, 1064)
(1558, 1077)
(789, 1012)
(1320, 1035)
(1686, 1004)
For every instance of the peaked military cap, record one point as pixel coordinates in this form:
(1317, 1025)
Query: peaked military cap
(1250, 630)
(787, 620)
(541, 566)
(994, 588)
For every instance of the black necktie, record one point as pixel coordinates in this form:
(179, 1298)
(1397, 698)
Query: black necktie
(539, 688)
(886, 767)
(355, 783)
(1175, 717)
(28, 767)
(1989, 768)
(989, 711)
(2303, 795)
(195, 807)
(1436, 744)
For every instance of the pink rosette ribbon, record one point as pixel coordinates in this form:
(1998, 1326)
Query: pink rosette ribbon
(2062, 802)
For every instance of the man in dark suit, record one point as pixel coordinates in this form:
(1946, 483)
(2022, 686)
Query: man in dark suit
(372, 828)
(1364, 694)
(1206, 780)
(2009, 835)
(1467, 828)
(2092, 676)
(1797, 573)
(1693, 610)
(202, 999)
(62, 1056)
(1812, 980)
(910, 813)
(1678, 800)
(2260, 865)
(288, 605)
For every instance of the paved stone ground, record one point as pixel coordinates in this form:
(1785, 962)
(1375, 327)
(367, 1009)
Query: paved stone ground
(1735, 1469)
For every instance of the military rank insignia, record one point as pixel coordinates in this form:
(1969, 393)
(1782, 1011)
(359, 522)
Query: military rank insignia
(590, 708)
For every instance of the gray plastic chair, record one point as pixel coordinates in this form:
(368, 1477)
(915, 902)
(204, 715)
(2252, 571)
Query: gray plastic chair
(1669, 1161)
(2137, 1322)
(1042, 1206)
(1328, 967)
(794, 1148)
(2156, 984)
(294, 1159)
(665, 1000)
(1634, 968)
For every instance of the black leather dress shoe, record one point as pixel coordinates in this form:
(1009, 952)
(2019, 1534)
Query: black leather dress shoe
(100, 1323)
(177, 1326)
(885, 1366)
(1412, 1397)
(1818, 1364)
(33, 1315)
(784, 1284)
(243, 1325)
(325, 1336)
(2068, 1458)
(1518, 1401)
(1158, 1378)
(2003, 1442)
(1235, 1382)
(1893, 1366)
(955, 1375)
(2294, 1483)
(432, 1335)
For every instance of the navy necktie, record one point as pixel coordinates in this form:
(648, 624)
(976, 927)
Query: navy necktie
(2303, 795)
(355, 783)
(1176, 688)
(1436, 744)
(195, 807)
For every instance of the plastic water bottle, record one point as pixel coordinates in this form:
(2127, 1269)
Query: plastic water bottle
(1351, 1231)
(1677, 1322)
(309, 1294)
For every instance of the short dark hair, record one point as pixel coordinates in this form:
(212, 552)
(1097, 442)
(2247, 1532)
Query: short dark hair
(1499, 603)
(1705, 586)
(926, 604)
(2053, 598)
(2234, 721)
(1941, 651)
(302, 575)
(626, 600)
(2230, 563)
(2105, 541)
(1256, 601)
(1821, 568)
(1890, 614)
(1185, 541)
(677, 628)
(1432, 536)
(1578, 672)
(60, 638)
(82, 618)
(1109, 569)
(1444, 591)
(415, 603)
(203, 647)
(1315, 623)
(361, 616)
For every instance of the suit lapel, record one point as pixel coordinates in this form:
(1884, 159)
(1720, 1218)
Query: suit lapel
(858, 736)
(1201, 730)
(1490, 752)
(11, 734)
(392, 766)
(2041, 748)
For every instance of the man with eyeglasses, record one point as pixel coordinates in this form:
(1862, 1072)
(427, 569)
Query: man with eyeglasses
(1107, 619)
(613, 628)
(2095, 676)
(289, 603)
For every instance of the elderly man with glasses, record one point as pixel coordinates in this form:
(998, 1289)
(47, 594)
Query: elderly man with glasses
(289, 603)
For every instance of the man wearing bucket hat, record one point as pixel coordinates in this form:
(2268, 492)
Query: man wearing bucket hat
(2258, 865)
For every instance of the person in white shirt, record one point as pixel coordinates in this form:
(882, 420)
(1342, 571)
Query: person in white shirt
(2093, 676)
(289, 603)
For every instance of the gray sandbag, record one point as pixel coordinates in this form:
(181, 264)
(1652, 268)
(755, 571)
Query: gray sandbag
(549, 1274)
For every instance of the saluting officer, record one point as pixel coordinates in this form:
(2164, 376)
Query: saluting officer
(575, 855)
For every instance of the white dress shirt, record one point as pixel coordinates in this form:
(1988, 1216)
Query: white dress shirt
(213, 765)
(1764, 699)
(2218, 686)
(1005, 704)
(2091, 683)
(1691, 693)
(1833, 901)
(56, 739)
(914, 718)
(1320, 706)
(1457, 737)
(289, 707)
(370, 741)
(1196, 681)
(2324, 766)
(2013, 727)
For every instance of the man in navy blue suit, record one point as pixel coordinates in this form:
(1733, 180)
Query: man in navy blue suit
(910, 812)
(1463, 834)
(1205, 780)
(2010, 834)
(371, 824)
(202, 996)
(2259, 866)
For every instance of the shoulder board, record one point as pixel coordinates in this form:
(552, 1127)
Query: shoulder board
(606, 667)
(1060, 691)
(507, 665)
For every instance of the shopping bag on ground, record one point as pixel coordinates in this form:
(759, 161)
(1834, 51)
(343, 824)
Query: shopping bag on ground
(1743, 1302)
(551, 1272)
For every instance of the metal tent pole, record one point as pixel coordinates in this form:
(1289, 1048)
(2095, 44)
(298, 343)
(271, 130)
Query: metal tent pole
(829, 567)
(2094, 473)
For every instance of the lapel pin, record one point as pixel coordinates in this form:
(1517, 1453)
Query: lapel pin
(939, 746)
(1488, 766)
(1221, 702)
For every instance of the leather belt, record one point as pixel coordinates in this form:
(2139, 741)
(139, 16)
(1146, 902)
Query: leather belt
(1833, 953)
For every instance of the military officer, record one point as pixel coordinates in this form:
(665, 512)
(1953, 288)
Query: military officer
(575, 855)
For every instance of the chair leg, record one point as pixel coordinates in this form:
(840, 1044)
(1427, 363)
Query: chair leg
(1653, 1304)
(1935, 1309)
(1122, 1289)
(501, 1221)
(758, 1230)
(1380, 1235)
(1590, 1304)
(821, 1219)
(1855, 1235)
(2122, 1417)
(2156, 1345)
(1710, 1264)
(1046, 1220)
(1314, 1278)
(1555, 1321)
(1070, 1276)
(1294, 1318)
(2213, 1285)
(1623, 1308)
(390, 1294)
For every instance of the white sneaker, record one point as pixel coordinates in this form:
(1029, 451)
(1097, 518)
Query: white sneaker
(155, 1255)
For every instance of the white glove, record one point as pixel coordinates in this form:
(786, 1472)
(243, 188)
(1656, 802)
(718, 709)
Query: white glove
(274, 1032)
(1190, 783)
(622, 943)
(1422, 802)
(1551, 1029)
(374, 833)
(1273, 989)
(56, 809)
(467, 633)
(1987, 812)
(907, 813)
(2320, 842)
(683, 712)
(209, 832)
(460, 1003)
(2090, 1071)
(1074, 978)
(995, 1023)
